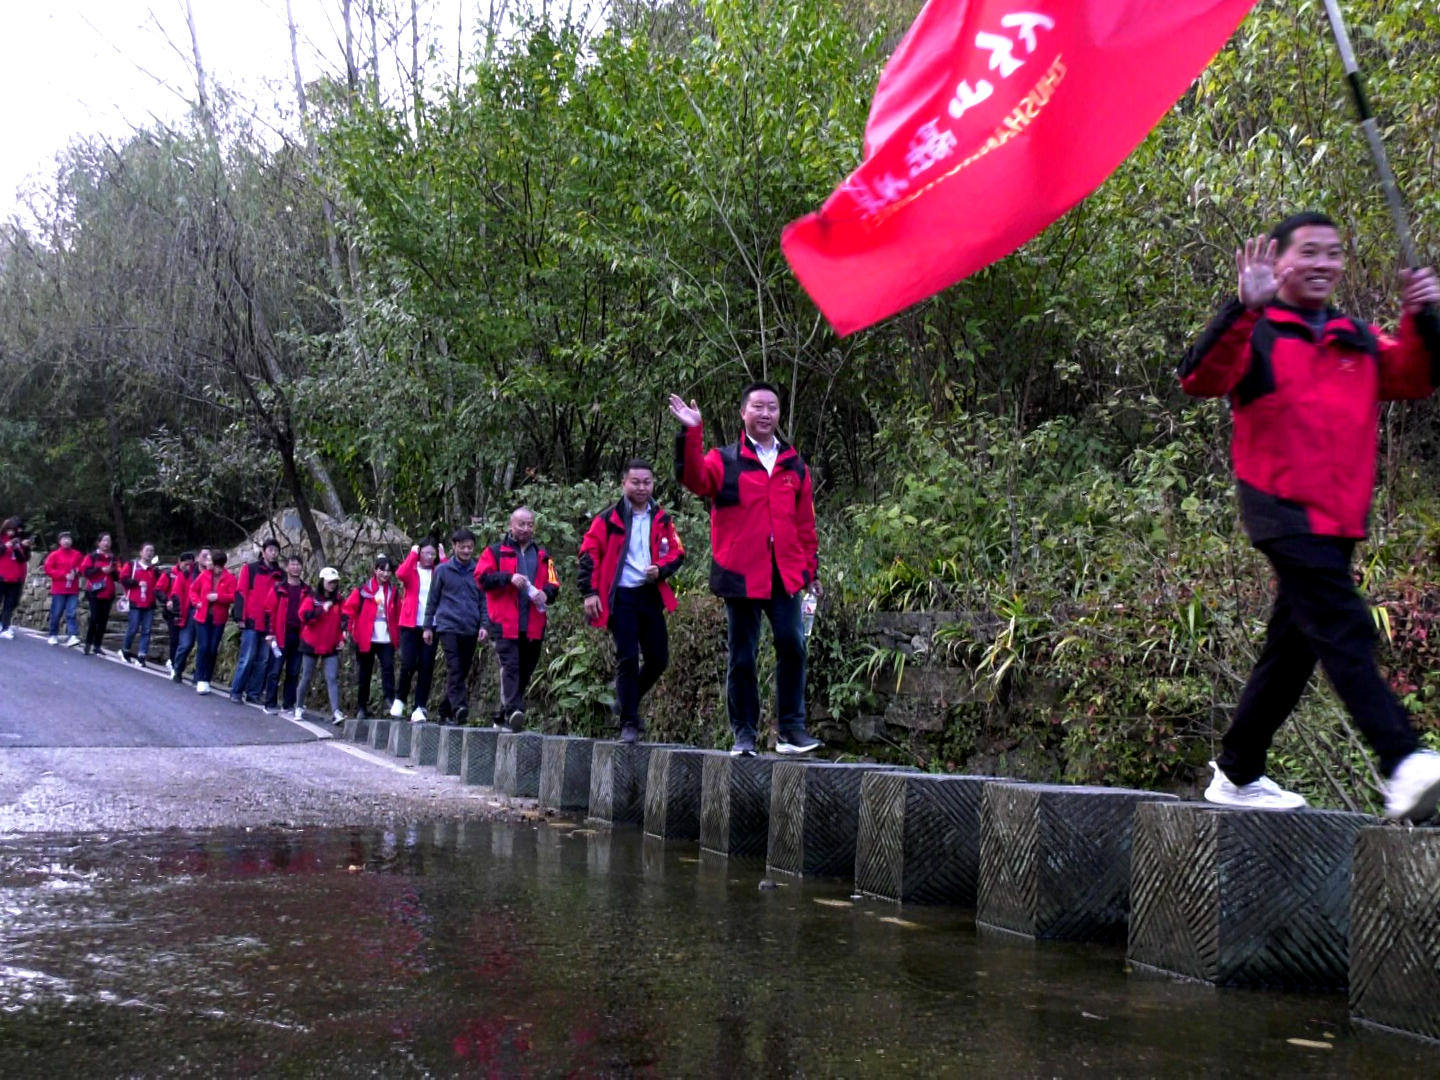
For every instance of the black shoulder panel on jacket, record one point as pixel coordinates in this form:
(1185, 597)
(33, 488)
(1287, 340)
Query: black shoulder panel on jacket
(1227, 317)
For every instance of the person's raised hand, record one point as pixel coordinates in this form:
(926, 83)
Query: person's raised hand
(1255, 268)
(1419, 287)
(689, 415)
(592, 607)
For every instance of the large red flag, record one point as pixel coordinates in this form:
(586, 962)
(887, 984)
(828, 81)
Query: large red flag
(992, 119)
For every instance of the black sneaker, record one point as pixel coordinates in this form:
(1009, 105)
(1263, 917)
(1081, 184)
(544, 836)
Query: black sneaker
(177, 676)
(630, 733)
(462, 715)
(126, 656)
(517, 720)
(141, 661)
(744, 746)
(799, 743)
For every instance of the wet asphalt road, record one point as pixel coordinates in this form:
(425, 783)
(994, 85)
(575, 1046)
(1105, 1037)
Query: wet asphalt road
(90, 745)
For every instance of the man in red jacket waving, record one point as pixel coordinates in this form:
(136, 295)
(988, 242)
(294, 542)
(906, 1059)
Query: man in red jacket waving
(763, 555)
(1305, 382)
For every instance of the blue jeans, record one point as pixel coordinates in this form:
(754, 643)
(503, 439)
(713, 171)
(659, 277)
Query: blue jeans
(187, 642)
(250, 672)
(70, 605)
(207, 647)
(141, 620)
(742, 694)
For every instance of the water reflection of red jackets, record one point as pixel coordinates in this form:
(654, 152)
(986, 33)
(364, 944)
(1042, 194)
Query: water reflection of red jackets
(1305, 411)
(755, 516)
(223, 584)
(100, 573)
(141, 581)
(360, 608)
(604, 548)
(321, 631)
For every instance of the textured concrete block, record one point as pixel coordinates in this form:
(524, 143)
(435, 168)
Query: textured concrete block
(735, 805)
(1055, 860)
(1395, 930)
(815, 817)
(517, 764)
(357, 731)
(565, 772)
(424, 744)
(449, 757)
(919, 838)
(672, 792)
(379, 734)
(401, 735)
(477, 756)
(618, 772)
(1243, 897)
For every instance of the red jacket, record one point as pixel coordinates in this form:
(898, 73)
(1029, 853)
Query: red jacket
(277, 609)
(321, 631)
(256, 582)
(14, 558)
(100, 573)
(360, 609)
(223, 584)
(493, 571)
(409, 576)
(602, 553)
(174, 586)
(62, 567)
(1306, 412)
(755, 517)
(142, 583)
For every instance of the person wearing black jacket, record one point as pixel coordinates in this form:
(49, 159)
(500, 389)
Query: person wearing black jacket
(455, 613)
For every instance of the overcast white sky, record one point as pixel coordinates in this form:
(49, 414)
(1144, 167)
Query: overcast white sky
(80, 67)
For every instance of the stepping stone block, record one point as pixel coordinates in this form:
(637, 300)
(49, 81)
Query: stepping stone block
(565, 772)
(1395, 930)
(424, 743)
(672, 792)
(357, 731)
(919, 838)
(618, 772)
(1055, 860)
(517, 763)
(815, 817)
(1243, 897)
(401, 735)
(449, 757)
(477, 755)
(735, 805)
(379, 734)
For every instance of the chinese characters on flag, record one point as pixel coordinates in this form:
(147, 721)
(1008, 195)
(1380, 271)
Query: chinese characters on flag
(991, 120)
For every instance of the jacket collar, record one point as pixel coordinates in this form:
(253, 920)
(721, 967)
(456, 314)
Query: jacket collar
(748, 446)
(1281, 312)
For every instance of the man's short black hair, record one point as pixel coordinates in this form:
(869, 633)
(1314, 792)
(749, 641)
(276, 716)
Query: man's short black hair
(461, 534)
(1282, 232)
(218, 558)
(189, 556)
(290, 559)
(745, 394)
(637, 463)
(270, 542)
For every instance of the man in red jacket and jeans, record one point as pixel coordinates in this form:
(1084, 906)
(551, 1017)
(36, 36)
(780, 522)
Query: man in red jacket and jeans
(763, 554)
(1305, 382)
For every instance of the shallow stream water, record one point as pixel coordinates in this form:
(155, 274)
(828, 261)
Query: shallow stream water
(551, 949)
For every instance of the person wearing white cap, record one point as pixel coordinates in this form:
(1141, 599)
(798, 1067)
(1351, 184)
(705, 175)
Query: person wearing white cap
(323, 629)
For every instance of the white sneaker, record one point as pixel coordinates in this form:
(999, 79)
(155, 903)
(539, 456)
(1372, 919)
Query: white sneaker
(298, 715)
(52, 640)
(202, 688)
(1262, 794)
(397, 709)
(71, 641)
(338, 718)
(8, 634)
(1413, 791)
(170, 667)
(418, 716)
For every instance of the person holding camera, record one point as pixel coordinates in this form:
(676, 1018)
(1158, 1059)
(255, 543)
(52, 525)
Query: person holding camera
(14, 562)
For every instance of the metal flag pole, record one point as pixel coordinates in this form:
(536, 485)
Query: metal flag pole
(1429, 322)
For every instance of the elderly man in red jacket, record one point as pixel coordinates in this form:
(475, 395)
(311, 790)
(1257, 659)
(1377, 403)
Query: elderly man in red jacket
(1305, 383)
(763, 555)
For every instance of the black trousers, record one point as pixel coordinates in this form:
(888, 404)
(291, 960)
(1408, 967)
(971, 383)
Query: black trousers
(417, 661)
(637, 623)
(9, 599)
(742, 690)
(289, 663)
(459, 655)
(99, 617)
(172, 632)
(365, 661)
(1318, 615)
(518, 657)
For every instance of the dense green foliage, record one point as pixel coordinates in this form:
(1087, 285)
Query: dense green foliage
(432, 308)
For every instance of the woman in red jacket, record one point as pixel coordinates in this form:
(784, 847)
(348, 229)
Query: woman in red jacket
(373, 612)
(322, 632)
(141, 579)
(62, 567)
(14, 560)
(210, 597)
(98, 575)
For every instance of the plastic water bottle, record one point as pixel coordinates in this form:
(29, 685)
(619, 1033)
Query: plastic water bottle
(808, 607)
